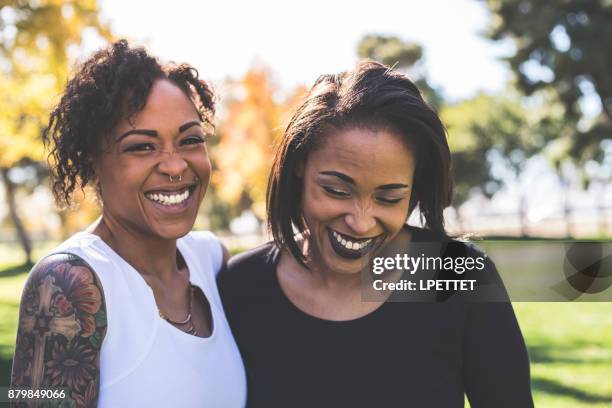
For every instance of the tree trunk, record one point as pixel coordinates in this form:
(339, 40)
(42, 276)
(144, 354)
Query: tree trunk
(567, 210)
(603, 216)
(605, 108)
(523, 215)
(460, 220)
(9, 191)
(63, 224)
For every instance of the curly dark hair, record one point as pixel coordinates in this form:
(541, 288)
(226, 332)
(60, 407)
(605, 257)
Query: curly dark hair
(113, 83)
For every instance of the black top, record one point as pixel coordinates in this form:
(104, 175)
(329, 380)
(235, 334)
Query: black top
(403, 354)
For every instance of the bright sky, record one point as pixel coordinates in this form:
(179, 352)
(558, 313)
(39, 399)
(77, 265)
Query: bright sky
(301, 40)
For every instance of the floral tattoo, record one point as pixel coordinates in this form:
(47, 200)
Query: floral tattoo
(62, 321)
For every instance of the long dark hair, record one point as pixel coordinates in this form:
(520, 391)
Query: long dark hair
(371, 95)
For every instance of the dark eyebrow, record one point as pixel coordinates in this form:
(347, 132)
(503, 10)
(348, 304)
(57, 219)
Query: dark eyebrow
(153, 133)
(392, 186)
(341, 176)
(187, 125)
(146, 132)
(349, 180)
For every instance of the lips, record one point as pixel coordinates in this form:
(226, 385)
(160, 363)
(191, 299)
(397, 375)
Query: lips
(350, 247)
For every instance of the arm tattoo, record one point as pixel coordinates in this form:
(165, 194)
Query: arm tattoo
(62, 322)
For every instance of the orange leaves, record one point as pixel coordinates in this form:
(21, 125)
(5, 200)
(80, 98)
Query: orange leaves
(253, 122)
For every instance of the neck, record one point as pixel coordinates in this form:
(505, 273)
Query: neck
(336, 281)
(149, 255)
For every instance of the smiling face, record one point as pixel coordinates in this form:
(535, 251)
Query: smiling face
(155, 170)
(357, 189)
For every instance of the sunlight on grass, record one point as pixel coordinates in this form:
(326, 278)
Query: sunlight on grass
(570, 347)
(11, 287)
(12, 279)
(12, 254)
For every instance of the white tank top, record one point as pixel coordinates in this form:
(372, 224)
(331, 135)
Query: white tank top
(144, 360)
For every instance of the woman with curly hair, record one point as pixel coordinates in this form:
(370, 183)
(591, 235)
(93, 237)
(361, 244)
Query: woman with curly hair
(127, 313)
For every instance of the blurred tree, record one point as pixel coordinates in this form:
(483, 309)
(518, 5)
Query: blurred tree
(402, 55)
(488, 131)
(38, 41)
(252, 124)
(390, 50)
(561, 46)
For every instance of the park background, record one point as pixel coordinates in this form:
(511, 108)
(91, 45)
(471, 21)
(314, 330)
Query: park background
(523, 87)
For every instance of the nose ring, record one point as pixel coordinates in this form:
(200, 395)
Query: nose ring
(173, 179)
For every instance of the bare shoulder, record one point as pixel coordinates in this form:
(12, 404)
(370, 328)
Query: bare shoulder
(62, 322)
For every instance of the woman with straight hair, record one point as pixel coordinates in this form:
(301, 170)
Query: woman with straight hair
(127, 312)
(359, 156)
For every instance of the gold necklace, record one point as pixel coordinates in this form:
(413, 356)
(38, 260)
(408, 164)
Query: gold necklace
(190, 329)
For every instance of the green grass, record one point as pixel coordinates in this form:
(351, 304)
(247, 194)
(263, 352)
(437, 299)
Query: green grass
(570, 345)
(12, 280)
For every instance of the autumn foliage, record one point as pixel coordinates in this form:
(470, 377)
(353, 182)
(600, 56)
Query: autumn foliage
(252, 124)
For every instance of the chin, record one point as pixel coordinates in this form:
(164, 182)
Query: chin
(337, 263)
(173, 231)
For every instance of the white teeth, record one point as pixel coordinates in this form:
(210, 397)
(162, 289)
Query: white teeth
(171, 199)
(350, 244)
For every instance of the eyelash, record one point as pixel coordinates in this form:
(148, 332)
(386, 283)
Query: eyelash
(389, 200)
(334, 192)
(343, 194)
(195, 139)
(140, 147)
(149, 147)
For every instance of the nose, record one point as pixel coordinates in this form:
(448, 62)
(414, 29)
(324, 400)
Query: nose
(172, 164)
(362, 221)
